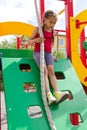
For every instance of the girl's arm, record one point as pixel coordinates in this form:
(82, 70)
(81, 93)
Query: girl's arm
(33, 39)
(35, 32)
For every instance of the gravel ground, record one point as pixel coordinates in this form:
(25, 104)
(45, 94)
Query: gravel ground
(3, 113)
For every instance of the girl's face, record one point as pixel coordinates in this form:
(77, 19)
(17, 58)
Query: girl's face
(50, 22)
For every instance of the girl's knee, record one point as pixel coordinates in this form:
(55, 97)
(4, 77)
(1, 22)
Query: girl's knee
(45, 71)
(51, 70)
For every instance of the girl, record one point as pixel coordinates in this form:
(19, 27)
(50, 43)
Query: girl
(49, 21)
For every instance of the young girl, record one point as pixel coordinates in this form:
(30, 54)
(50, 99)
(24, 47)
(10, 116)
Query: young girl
(49, 21)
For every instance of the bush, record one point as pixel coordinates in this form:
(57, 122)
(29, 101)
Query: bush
(58, 54)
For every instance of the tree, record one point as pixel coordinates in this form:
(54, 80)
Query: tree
(11, 43)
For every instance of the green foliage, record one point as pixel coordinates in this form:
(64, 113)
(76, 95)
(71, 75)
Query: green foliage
(11, 44)
(5, 44)
(58, 54)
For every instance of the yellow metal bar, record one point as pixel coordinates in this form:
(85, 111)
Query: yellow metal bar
(61, 11)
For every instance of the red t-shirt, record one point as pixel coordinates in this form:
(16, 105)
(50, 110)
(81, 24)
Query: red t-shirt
(48, 36)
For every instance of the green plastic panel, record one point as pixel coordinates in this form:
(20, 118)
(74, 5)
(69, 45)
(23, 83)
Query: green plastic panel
(15, 53)
(18, 101)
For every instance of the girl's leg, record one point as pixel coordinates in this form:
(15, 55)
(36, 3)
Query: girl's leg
(50, 67)
(60, 96)
(50, 97)
(37, 60)
(52, 77)
(47, 88)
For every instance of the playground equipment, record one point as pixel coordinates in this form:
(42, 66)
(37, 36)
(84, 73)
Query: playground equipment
(19, 104)
(21, 43)
(77, 26)
(17, 27)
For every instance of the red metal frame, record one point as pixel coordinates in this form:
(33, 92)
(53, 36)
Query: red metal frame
(78, 23)
(42, 9)
(68, 14)
(82, 39)
(19, 43)
(59, 30)
(82, 50)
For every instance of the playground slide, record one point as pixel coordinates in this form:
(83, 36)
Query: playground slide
(24, 105)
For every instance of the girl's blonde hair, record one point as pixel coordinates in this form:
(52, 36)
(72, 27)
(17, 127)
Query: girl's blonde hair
(48, 14)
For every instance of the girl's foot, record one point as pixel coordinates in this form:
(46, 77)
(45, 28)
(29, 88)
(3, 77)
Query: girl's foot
(51, 98)
(61, 96)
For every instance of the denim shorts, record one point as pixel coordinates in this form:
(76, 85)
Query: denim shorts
(48, 58)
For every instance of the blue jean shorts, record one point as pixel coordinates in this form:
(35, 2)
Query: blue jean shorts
(48, 58)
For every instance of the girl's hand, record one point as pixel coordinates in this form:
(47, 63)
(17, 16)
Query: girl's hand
(30, 42)
(55, 59)
(39, 40)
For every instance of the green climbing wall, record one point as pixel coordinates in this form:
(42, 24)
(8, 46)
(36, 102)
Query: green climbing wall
(18, 101)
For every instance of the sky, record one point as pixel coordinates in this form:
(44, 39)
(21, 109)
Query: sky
(24, 11)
